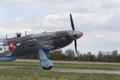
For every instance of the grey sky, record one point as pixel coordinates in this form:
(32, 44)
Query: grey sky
(99, 20)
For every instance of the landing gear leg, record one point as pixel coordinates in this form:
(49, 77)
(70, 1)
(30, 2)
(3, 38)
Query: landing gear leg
(46, 64)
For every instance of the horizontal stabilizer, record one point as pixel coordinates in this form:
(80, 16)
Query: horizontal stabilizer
(8, 58)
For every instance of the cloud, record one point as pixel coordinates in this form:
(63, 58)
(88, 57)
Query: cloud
(98, 19)
(36, 1)
(20, 1)
(93, 23)
(20, 19)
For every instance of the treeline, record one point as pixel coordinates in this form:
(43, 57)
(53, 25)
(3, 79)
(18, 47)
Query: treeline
(70, 55)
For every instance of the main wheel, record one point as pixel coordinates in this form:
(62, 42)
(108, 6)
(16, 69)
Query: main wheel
(47, 68)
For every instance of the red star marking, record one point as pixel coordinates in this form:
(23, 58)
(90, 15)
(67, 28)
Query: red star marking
(12, 45)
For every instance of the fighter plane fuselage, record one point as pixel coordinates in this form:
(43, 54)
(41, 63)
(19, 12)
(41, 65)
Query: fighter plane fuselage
(48, 40)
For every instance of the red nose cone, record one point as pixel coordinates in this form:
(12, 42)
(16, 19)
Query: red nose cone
(81, 33)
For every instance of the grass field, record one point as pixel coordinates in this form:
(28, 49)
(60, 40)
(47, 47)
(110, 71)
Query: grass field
(65, 65)
(23, 74)
(14, 74)
(88, 66)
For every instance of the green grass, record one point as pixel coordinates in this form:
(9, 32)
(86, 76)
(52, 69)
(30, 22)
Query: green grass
(13, 74)
(65, 65)
(88, 66)
(20, 63)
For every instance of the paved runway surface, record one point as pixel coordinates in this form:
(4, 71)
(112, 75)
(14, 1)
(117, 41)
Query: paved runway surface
(64, 69)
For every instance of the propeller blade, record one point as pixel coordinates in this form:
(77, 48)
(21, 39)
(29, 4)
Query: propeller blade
(73, 28)
(75, 42)
(72, 23)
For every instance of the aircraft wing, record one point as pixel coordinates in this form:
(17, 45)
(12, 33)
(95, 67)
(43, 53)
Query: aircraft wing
(34, 46)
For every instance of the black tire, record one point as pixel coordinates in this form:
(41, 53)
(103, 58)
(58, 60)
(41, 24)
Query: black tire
(47, 68)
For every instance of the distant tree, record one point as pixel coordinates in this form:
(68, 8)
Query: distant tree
(115, 56)
(79, 57)
(86, 57)
(82, 57)
(56, 55)
(63, 57)
(31, 56)
(70, 55)
(34, 56)
(107, 57)
(119, 57)
(90, 56)
(100, 56)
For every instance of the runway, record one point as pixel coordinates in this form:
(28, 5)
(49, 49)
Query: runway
(64, 69)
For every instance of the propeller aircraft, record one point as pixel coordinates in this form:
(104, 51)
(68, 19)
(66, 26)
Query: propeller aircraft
(42, 43)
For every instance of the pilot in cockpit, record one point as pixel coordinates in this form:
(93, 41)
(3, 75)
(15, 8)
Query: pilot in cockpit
(18, 34)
